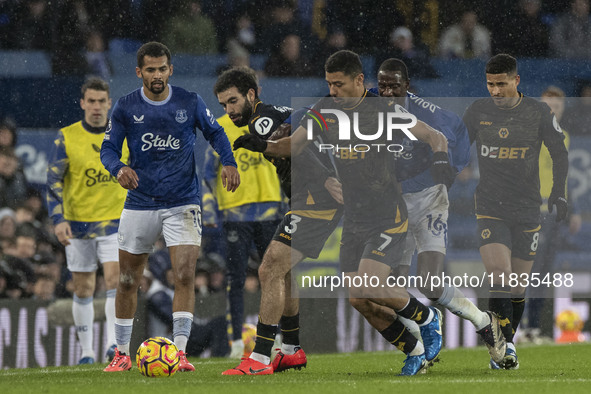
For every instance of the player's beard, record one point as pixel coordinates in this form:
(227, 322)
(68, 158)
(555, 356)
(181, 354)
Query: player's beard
(245, 115)
(157, 87)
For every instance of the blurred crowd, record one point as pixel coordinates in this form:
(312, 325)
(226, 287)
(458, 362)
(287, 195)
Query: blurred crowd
(296, 35)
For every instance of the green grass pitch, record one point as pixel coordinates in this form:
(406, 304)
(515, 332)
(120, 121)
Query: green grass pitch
(543, 369)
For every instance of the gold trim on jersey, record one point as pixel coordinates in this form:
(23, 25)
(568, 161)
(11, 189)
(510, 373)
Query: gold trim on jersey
(310, 199)
(486, 217)
(534, 230)
(326, 214)
(516, 104)
(359, 102)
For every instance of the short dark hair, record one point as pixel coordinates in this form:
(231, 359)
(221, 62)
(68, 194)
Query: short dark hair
(345, 61)
(152, 49)
(94, 83)
(242, 78)
(393, 65)
(501, 64)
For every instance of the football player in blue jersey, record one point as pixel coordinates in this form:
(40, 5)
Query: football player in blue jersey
(159, 122)
(428, 204)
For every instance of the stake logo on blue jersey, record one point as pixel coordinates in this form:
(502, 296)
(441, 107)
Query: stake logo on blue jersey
(161, 137)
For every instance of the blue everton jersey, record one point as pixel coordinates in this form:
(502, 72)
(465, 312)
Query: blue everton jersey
(161, 139)
(414, 163)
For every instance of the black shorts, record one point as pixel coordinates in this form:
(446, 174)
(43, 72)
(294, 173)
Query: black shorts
(307, 231)
(521, 238)
(383, 242)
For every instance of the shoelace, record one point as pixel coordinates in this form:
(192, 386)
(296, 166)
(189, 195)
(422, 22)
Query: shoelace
(116, 359)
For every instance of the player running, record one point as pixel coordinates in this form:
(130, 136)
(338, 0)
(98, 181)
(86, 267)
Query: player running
(509, 129)
(427, 201)
(159, 122)
(375, 214)
(316, 209)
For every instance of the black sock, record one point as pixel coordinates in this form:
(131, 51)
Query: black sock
(265, 339)
(518, 304)
(398, 335)
(500, 302)
(290, 329)
(414, 311)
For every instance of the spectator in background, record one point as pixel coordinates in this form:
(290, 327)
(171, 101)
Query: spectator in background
(570, 37)
(31, 27)
(7, 228)
(577, 119)
(288, 60)
(530, 38)
(281, 22)
(467, 39)
(13, 184)
(97, 60)
(335, 40)
(71, 26)
(415, 55)
(190, 31)
(7, 133)
(44, 288)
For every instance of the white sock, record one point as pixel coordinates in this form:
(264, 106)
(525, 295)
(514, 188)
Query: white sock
(123, 329)
(289, 349)
(411, 326)
(457, 303)
(260, 358)
(181, 328)
(110, 315)
(419, 349)
(83, 313)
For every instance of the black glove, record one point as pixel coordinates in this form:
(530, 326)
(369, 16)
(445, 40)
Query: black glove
(441, 170)
(558, 199)
(250, 142)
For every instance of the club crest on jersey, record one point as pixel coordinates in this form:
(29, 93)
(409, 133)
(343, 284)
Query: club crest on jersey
(485, 234)
(181, 115)
(503, 132)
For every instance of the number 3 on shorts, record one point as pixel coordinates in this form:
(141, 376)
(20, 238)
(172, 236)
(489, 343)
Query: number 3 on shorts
(293, 225)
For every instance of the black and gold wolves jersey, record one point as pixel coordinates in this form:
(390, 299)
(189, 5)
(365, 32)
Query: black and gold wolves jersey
(264, 121)
(508, 142)
(370, 189)
(302, 183)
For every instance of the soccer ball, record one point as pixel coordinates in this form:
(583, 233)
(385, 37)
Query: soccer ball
(157, 357)
(249, 336)
(569, 320)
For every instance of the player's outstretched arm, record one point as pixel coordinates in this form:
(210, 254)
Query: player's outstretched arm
(230, 178)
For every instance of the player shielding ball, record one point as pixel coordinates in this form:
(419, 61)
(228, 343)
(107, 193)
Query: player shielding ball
(316, 209)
